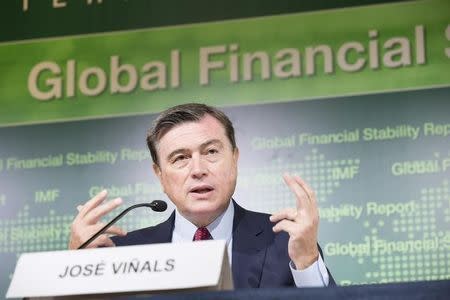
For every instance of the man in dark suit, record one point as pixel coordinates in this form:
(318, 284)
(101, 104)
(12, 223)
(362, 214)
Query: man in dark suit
(195, 158)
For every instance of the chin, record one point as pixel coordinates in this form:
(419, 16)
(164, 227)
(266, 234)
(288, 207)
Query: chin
(204, 207)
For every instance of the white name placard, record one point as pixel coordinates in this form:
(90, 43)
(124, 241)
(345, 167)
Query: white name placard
(146, 268)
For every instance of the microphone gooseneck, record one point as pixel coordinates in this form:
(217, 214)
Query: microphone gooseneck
(155, 205)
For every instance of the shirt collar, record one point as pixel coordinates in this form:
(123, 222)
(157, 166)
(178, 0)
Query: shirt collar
(221, 228)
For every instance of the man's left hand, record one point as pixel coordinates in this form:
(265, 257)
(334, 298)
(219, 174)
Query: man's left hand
(301, 223)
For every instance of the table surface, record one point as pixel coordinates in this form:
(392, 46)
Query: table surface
(411, 290)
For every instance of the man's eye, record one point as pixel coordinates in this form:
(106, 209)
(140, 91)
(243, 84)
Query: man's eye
(179, 158)
(212, 151)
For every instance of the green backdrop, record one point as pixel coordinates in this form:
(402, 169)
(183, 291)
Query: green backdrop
(355, 100)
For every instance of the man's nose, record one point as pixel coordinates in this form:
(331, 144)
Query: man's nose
(199, 167)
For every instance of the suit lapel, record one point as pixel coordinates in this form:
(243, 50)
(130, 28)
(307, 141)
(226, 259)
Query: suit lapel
(161, 233)
(249, 249)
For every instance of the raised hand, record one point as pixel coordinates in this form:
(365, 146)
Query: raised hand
(87, 222)
(301, 223)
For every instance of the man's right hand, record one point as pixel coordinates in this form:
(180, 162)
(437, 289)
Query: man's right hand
(87, 222)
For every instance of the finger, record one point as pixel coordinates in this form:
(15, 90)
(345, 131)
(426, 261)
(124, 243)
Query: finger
(108, 242)
(309, 191)
(285, 225)
(93, 203)
(79, 207)
(312, 207)
(111, 230)
(97, 213)
(101, 240)
(287, 213)
(116, 231)
(300, 194)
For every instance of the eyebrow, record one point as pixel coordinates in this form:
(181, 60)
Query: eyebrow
(203, 145)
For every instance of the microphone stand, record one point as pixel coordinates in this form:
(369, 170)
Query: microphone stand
(155, 205)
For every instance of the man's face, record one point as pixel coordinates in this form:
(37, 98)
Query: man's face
(198, 169)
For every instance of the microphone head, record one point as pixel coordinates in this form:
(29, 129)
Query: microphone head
(158, 205)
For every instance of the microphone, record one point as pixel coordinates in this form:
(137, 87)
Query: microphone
(155, 205)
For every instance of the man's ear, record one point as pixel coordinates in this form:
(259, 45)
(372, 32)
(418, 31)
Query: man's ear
(236, 154)
(157, 171)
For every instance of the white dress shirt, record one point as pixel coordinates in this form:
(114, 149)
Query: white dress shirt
(221, 228)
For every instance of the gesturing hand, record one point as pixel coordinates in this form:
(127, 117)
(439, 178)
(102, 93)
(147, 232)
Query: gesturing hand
(87, 222)
(301, 223)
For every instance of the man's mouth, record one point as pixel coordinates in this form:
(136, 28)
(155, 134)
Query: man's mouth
(202, 189)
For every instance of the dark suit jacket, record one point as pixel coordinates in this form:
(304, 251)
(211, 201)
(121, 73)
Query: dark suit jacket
(260, 257)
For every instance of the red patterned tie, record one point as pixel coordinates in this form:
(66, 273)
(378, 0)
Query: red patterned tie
(202, 234)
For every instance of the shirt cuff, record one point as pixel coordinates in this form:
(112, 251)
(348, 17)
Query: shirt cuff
(316, 275)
